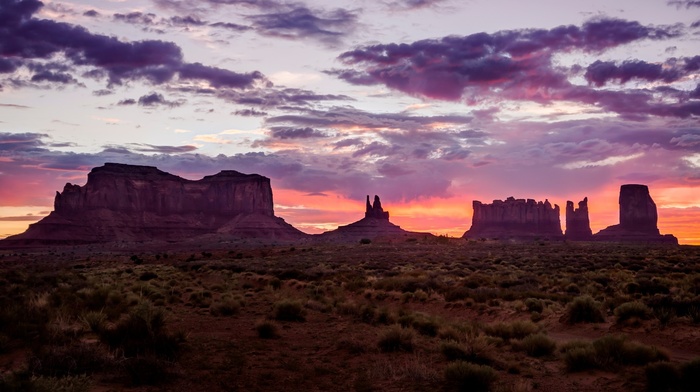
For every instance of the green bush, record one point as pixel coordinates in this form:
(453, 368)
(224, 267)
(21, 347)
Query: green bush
(465, 376)
(584, 310)
(396, 338)
(289, 310)
(632, 310)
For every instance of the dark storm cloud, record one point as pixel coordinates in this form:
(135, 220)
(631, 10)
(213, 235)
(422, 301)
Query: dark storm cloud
(24, 37)
(54, 77)
(517, 64)
(295, 133)
(299, 22)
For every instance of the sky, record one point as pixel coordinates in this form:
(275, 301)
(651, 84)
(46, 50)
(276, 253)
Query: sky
(429, 104)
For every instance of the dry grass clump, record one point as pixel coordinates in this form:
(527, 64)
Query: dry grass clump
(631, 312)
(584, 310)
(609, 352)
(465, 376)
(396, 338)
(289, 310)
(537, 345)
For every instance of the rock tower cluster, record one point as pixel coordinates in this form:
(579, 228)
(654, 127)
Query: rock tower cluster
(515, 219)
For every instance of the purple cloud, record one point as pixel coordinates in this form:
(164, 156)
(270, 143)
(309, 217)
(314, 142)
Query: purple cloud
(600, 73)
(295, 133)
(24, 37)
(516, 63)
(155, 99)
(298, 22)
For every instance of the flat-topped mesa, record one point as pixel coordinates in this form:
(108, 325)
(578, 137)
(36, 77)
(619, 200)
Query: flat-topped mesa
(578, 226)
(136, 203)
(375, 210)
(515, 219)
(638, 218)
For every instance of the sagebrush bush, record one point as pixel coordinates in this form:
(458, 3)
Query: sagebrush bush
(267, 330)
(79, 383)
(453, 351)
(610, 352)
(515, 330)
(632, 310)
(396, 338)
(226, 307)
(538, 345)
(289, 310)
(465, 376)
(662, 377)
(584, 310)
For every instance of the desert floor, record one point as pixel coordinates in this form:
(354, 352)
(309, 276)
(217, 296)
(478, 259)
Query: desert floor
(401, 315)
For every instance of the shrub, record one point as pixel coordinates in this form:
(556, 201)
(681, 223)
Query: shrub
(227, 307)
(534, 305)
(143, 332)
(662, 377)
(396, 338)
(65, 361)
(148, 370)
(465, 376)
(267, 330)
(426, 325)
(690, 375)
(365, 241)
(453, 351)
(580, 358)
(584, 310)
(516, 330)
(94, 321)
(609, 352)
(632, 310)
(63, 384)
(538, 345)
(289, 310)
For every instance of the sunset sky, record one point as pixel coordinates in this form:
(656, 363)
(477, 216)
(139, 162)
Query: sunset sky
(429, 104)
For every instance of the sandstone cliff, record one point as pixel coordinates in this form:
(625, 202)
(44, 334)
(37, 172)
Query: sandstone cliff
(515, 219)
(638, 218)
(578, 226)
(135, 203)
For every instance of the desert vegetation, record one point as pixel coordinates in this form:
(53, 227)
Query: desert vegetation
(436, 315)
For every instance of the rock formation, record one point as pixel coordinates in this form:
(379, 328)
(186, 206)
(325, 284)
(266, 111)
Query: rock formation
(515, 219)
(134, 203)
(375, 224)
(375, 210)
(638, 218)
(578, 227)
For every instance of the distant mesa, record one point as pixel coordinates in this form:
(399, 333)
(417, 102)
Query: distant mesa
(374, 225)
(638, 219)
(578, 226)
(135, 203)
(517, 219)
